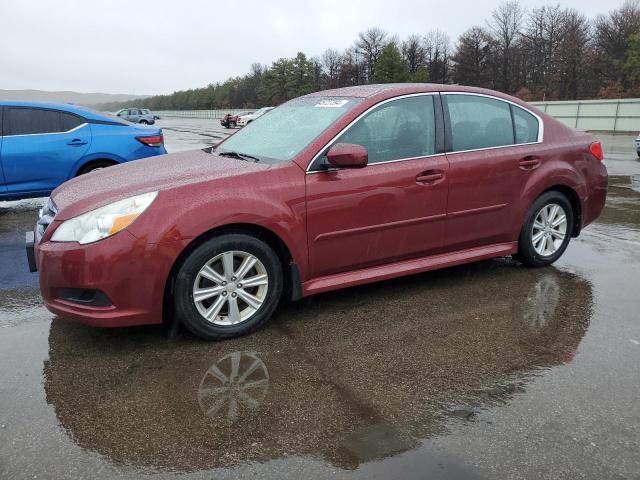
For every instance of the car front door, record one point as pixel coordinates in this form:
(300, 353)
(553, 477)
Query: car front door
(392, 209)
(40, 148)
(487, 168)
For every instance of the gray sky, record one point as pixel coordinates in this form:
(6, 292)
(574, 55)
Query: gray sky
(128, 46)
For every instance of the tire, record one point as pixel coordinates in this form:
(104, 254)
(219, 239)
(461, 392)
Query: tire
(552, 240)
(638, 152)
(144, 122)
(204, 270)
(92, 167)
(232, 125)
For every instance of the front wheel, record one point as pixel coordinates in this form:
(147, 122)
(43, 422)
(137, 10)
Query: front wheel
(228, 286)
(547, 230)
(144, 122)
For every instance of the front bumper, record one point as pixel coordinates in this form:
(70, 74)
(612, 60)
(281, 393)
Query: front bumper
(126, 270)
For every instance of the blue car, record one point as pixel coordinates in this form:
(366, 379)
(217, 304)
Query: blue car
(43, 145)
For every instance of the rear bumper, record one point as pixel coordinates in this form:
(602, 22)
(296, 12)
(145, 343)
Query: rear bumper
(130, 272)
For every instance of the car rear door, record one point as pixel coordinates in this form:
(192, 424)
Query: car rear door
(41, 147)
(135, 115)
(488, 167)
(392, 209)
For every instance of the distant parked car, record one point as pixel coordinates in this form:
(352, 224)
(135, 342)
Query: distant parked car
(638, 145)
(43, 144)
(137, 115)
(247, 119)
(231, 121)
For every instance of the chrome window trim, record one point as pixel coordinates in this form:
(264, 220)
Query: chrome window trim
(332, 141)
(48, 133)
(537, 117)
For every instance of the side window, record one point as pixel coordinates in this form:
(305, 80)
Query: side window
(479, 122)
(29, 121)
(403, 128)
(70, 121)
(526, 125)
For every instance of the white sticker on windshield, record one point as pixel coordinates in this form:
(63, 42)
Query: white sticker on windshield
(332, 103)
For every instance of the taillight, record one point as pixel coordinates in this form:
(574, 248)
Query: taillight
(596, 150)
(152, 141)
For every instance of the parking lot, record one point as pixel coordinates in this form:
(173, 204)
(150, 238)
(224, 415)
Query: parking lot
(489, 370)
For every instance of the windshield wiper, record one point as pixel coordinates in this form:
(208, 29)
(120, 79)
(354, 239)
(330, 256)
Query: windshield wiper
(241, 156)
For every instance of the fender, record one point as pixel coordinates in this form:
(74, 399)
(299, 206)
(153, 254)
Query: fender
(551, 173)
(286, 220)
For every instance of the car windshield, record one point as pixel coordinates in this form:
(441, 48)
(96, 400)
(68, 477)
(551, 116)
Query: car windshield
(288, 129)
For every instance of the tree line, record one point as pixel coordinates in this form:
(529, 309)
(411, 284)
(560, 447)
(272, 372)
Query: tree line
(547, 53)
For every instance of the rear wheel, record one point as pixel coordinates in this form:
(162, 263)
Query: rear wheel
(228, 286)
(232, 125)
(547, 230)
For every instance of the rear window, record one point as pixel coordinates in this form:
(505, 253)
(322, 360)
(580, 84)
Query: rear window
(526, 125)
(32, 121)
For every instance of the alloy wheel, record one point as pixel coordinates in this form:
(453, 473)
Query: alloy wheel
(230, 288)
(549, 229)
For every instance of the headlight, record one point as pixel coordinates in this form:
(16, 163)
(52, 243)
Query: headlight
(104, 221)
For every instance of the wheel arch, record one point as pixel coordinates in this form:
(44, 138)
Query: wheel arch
(576, 205)
(292, 284)
(87, 162)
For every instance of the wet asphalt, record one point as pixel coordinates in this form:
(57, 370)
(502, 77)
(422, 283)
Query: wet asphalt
(489, 370)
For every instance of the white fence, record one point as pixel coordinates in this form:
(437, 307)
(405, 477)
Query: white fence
(199, 113)
(596, 115)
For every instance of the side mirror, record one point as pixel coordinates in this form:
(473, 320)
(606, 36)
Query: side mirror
(347, 155)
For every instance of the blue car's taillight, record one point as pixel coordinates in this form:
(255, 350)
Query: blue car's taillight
(152, 141)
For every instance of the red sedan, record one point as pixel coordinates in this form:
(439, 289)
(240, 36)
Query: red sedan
(333, 189)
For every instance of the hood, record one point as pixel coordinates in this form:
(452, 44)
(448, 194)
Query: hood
(164, 172)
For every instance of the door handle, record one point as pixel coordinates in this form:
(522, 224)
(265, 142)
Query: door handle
(76, 142)
(429, 177)
(530, 162)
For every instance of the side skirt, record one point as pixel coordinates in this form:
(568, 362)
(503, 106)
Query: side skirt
(406, 267)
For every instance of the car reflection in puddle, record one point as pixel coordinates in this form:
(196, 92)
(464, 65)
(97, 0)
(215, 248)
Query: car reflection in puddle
(235, 384)
(349, 377)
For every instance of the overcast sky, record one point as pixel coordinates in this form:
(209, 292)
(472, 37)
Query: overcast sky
(159, 46)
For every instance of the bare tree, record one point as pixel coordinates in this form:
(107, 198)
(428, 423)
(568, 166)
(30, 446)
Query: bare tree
(369, 45)
(413, 53)
(611, 38)
(472, 58)
(541, 41)
(437, 46)
(506, 26)
(575, 58)
(331, 62)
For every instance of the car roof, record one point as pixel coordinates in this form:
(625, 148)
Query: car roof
(65, 107)
(378, 92)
